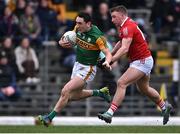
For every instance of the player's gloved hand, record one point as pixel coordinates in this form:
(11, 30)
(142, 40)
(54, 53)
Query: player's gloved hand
(101, 62)
(107, 65)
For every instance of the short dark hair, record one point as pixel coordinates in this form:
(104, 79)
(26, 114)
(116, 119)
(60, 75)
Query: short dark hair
(85, 16)
(120, 8)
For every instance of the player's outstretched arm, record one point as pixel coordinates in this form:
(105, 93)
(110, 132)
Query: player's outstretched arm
(116, 47)
(108, 59)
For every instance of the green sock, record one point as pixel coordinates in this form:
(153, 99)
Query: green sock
(96, 93)
(52, 114)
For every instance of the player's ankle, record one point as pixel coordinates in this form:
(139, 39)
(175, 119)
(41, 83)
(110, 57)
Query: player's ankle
(52, 115)
(96, 93)
(110, 111)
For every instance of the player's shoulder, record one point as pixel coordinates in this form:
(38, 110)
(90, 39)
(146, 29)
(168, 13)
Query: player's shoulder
(96, 31)
(130, 22)
(130, 25)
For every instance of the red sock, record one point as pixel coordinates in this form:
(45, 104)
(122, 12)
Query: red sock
(113, 107)
(161, 104)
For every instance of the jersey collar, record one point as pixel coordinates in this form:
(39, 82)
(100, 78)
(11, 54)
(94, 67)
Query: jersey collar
(124, 21)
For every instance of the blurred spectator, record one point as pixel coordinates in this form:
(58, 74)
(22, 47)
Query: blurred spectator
(80, 4)
(33, 3)
(27, 61)
(2, 7)
(176, 33)
(8, 88)
(30, 26)
(48, 20)
(11, 4)
(175, 81)
(64, 24)
(177, 9)
(20, 8)
(112, 36)
(8, 47)
(131, 4)
(88, 9)
(8, 24)
(103, 18)
(67, 57)
(163, 16)
(60, 7)
(142, 25)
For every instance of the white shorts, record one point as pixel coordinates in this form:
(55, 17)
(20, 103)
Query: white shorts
(145, 65)
(85, 72)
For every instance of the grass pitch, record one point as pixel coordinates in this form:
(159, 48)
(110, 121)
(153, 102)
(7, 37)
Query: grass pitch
(90, 129)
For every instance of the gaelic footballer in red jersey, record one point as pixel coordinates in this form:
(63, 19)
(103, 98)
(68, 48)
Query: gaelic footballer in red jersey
(139, 47)
(133, 43)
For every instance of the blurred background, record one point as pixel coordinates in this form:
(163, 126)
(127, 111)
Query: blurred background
(34, 68)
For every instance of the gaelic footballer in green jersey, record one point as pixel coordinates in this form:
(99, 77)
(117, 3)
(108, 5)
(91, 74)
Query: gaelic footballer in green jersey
(90, 42)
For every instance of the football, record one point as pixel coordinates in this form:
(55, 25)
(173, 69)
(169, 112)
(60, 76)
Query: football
(70, 36)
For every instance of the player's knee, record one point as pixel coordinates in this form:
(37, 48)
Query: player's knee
(65, 93)
(121, 84)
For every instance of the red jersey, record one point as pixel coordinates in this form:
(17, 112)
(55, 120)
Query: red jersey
(138, 48)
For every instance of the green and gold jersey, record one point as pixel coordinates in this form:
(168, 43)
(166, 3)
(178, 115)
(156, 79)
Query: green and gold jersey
(89, 44)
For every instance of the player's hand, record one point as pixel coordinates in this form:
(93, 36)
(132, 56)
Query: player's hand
(100, 63)
(107, 65)
(64, 43)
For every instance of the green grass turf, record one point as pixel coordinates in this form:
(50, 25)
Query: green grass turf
(90, 129)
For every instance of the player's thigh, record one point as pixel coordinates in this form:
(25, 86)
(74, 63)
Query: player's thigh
(130, 76)
(75, 84)
(143, 83)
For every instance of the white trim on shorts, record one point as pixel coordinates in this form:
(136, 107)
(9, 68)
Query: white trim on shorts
(145, 65)
(85, 72)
